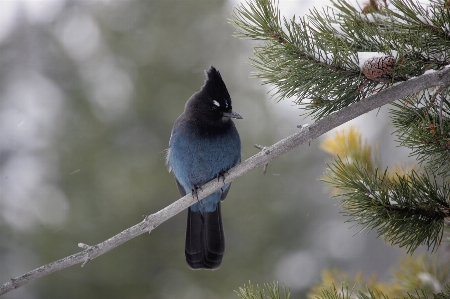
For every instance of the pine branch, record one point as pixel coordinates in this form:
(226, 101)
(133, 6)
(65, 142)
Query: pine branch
(427, 28)
(345, 293)
(269, 291)
(423, 124)
(306, 135)
(412, 274)
(314, 59)
(407, 210)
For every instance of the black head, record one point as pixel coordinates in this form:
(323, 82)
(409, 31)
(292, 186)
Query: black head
(212, 104)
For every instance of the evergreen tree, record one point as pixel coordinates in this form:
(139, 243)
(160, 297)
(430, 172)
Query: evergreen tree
(336, 57)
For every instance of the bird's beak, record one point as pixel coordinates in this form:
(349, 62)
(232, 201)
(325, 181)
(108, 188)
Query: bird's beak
(232, 114)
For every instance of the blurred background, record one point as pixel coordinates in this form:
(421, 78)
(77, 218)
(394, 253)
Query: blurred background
(89, 91)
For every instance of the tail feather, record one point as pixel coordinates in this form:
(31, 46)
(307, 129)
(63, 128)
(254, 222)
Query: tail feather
(194, 243)
(205, 239)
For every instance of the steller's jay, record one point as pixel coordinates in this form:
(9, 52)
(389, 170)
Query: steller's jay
(204, 144)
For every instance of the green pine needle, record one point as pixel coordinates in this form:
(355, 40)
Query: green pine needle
(425, 128)
(269, 291)
(313, 59)
(407, 210)
(344, 293)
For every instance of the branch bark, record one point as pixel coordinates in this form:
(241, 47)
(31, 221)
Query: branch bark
(306, 135)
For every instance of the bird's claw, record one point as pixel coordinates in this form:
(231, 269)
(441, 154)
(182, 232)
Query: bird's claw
(221, 175)
(195, 191)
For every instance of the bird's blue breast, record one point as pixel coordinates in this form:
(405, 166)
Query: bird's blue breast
(198, 158)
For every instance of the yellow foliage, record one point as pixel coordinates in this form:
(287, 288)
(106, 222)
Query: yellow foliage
(348, 144)
(420, 272)
(399, 171)
(350, 147)
(355, 283)
(413, 273)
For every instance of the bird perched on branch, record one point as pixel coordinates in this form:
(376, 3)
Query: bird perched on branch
(204, 144)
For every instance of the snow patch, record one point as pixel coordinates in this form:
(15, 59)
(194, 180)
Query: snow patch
(364, 56)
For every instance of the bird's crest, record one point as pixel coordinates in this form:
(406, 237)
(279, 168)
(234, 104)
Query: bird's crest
(215, 87)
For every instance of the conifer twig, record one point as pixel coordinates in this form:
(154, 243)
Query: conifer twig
(306, 135)
(443, 91)
(262, 148)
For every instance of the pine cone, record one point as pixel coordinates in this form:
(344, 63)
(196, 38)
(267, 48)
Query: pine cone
(377, 66)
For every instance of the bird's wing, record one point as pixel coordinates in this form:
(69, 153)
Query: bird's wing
(174, 131)
(180, 188)
(225, 192)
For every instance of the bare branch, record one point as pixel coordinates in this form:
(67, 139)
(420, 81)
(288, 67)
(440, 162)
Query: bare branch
(306, 135)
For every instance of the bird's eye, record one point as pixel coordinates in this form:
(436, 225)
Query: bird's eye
(216, 105)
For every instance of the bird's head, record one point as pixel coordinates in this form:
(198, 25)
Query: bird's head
(212, 103)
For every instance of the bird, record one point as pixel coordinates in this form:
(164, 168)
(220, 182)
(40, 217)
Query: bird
(204, 144)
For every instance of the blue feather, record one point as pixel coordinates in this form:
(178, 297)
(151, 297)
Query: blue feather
(198, 159)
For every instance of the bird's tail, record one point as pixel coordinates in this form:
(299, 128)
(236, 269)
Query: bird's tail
(205, 240)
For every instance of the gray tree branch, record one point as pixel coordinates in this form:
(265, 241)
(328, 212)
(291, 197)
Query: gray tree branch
(267, 154)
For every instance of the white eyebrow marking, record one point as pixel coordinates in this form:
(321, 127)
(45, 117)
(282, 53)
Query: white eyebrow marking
(216, 103)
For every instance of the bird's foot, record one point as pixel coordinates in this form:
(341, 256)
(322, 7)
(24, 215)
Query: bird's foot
(221, 175)
(195, 191)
